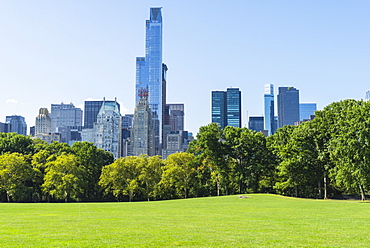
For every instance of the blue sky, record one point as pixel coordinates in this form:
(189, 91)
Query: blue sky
(73, 50)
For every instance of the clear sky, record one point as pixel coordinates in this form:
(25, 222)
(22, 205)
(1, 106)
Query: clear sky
(74, 50)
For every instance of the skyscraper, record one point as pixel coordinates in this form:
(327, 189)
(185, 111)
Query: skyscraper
(233, 107)
(269, 118)
(142, 132)
(306, 110)
(43, 122)
(91, 110)
(256, 123)
(151, 73)
(219, 110)
(107, 129)
(288, 106)
(226, 107)
(17, 124)
(66, 116)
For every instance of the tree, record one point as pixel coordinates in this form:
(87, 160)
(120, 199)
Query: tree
(17, 177)
(121, 177)
(209, 145)
(178, 175)
(13, 142)
(249, 152)
(92, 160)
(150, 175)
(350, 148)
(64, 178)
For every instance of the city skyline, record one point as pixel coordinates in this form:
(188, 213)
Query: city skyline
(71, 51)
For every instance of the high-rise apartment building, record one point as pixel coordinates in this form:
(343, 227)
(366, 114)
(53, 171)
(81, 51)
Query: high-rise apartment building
(108, 127)
(226, 107)
(17, 124)
(306, 110)
(91, 110)
(269, 102)
(151, 73)
(142, 132)
(66, 116)
(288, 106)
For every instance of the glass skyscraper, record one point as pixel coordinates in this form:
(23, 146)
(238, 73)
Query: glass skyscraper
(219, 108)
(226, 107)
(306, 110)
(269, 118)
(17, 124)
(234, 113)
(288, 106)
(149, 72)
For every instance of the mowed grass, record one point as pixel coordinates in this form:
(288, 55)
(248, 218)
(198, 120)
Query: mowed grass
(258, 221)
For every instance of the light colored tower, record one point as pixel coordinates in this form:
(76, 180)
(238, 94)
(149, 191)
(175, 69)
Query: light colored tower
(142, 132)
(107, 129)
(150, 73)
(269, 119)
(43, 122)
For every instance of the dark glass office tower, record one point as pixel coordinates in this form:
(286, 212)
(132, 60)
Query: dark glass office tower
(150, 72)
(233, 106)
(226, 107)
(288, 106)
(219, 108)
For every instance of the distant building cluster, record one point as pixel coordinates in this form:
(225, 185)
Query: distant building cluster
(155, 128)
(226, 109)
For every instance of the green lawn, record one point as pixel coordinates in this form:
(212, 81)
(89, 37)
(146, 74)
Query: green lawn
(258, 221)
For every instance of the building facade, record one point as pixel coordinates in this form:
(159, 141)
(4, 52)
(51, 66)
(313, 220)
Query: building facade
(219, 110)
(256, 123)
(234, 107)
(288, 106)
(91, 111)
(142, 132)
(226, 107)
(108, 127)
(306, 110)
(17, 124)
(66, 116)
(151, 74)
(269, 109)
(43, 122)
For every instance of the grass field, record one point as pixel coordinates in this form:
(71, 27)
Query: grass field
(258, 221)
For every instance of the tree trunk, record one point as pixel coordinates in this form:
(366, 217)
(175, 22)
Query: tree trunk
(320, 189)
(7, 196)
(325, 187)
(363, 196)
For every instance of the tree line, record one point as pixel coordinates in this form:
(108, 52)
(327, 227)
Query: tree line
(326, 157)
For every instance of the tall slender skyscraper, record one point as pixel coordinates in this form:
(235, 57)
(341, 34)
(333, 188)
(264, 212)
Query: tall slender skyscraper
(234, 107)
(269, 118)
(226, 107)
(219, 110)
(288, 106)
(150, 72)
